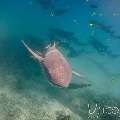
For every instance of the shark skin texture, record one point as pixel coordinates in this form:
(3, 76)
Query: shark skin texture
(56, 65)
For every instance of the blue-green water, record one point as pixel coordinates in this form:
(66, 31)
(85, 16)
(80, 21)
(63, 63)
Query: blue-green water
(86, 32)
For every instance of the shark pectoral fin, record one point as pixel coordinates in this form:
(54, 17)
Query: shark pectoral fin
(77, 74)
(40, 56)
(34, 54)
(39, 53)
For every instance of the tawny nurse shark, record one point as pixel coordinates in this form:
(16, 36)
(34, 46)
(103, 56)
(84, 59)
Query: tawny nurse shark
(57, 66)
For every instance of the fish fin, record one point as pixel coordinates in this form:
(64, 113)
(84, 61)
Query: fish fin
(54, 44)
(84, 81)
(77, 74)
(34, 54)
(48, 46)
(39, 53)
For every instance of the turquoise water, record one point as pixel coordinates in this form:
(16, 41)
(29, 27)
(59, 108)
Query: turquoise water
(86, 32)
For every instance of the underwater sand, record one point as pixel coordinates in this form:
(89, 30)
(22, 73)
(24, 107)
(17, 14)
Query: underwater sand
(35, 99)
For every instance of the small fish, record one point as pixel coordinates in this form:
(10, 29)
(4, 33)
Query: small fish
(102, 26)
(45, 4)
(93, 6)
(99, 46)
(57, 66)
(58, 12)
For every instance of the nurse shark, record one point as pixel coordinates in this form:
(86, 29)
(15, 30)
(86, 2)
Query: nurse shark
(57, 66)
